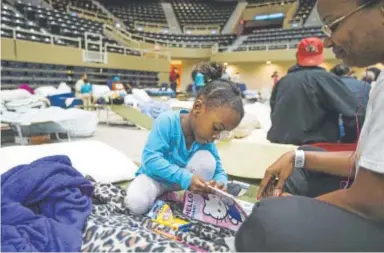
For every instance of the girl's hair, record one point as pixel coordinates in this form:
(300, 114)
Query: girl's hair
(219, 92)
(211, 71)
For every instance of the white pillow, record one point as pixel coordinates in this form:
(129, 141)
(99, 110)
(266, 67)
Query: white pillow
(46, 91)
(100, 90)
(63, 88)
(141, 95)
(12, 95)
(262, 113)
(101, 161)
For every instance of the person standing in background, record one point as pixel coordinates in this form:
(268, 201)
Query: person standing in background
(199, 81)
(358, 88)
(236, 78)
(306, 104)
(275, 77)
(173, 76)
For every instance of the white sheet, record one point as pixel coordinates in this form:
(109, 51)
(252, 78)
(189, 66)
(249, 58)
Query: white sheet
(251, 156)
(78, 123)
(104, 163)
(177, 104)
(16, 94)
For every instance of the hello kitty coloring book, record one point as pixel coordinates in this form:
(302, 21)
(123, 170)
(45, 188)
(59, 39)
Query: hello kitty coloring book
(216, 208)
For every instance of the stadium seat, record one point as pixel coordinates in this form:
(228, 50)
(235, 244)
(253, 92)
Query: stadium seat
(137, 10)
(199, 12)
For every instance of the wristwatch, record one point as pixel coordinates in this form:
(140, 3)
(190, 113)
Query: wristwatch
(299, 159)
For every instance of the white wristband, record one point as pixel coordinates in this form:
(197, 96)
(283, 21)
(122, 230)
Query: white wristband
(299, 159)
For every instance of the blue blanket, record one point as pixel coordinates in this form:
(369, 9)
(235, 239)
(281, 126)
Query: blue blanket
(44, 206)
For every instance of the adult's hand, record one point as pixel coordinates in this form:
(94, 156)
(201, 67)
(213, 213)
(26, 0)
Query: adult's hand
(280, 170)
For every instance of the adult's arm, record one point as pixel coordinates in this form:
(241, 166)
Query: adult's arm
(335, 163)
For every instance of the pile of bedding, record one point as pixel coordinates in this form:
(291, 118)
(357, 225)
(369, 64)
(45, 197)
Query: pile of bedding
(48, 205)
(156, 92)
(44, 206)
(111, 227)
(257, 116)
(21, 100)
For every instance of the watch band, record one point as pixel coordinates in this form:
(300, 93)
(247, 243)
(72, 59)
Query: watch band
(299, 159)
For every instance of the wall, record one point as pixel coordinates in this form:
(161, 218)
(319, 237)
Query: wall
(27, 51)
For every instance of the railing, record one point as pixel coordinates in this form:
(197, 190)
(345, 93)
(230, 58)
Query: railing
(48, 37)
(257, 5)
(88, 40)
(150, 25)
(202, 29)
(142, 52)
(121, 34)
(101, 17)
(258, 47)
(138, 39)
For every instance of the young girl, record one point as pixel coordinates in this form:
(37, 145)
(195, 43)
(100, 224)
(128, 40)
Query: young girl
(180, 152)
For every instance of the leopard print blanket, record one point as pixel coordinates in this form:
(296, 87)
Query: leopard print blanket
(112, 228)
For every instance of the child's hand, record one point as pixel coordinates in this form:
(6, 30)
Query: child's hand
(217, 185)
(198, 184)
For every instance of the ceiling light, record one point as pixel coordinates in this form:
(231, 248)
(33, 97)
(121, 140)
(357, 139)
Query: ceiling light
(269, 62)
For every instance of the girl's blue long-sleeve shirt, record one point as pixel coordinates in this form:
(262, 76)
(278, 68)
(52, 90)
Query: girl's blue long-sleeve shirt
(166, 156)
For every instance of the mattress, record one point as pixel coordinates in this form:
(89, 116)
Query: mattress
(93, 158)
(251, 156)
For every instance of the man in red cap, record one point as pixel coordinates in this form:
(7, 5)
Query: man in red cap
(307, 103)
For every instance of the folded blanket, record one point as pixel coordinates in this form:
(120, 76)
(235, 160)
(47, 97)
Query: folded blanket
(44, 206)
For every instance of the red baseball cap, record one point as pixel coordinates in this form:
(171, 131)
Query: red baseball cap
(310, 52)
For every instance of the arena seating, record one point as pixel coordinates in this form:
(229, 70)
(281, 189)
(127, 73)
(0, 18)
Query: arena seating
(11, 19)
(278, 38)
(61, 5)
(305, 8)
(59, 23)
(189, 40)
(200, 12)
(35, 74)
(139, 10)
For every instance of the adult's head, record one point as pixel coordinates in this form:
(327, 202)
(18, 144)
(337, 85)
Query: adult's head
(310, 52)
(116, 79)
(340, 70)
(354, 29)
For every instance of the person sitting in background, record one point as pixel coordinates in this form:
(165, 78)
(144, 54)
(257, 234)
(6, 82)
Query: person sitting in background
(307, 103)
(83, 79)
(359, 89)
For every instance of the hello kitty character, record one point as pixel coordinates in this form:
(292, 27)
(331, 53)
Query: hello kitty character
(215, 207)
